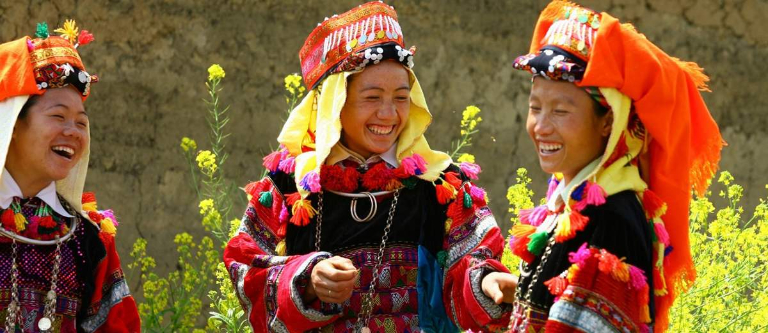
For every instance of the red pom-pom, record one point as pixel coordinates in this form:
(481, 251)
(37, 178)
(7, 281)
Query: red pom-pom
(8, 219)
(292, 198)
(281, 230)
(88, 197)
(47, 222)
(377, 177)
(520, 248)
(95, 216)
(300, 217)
(252, 188)
(556, 285)
(84, 38)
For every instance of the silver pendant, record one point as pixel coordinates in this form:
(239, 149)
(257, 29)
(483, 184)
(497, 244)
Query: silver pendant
(44, 324)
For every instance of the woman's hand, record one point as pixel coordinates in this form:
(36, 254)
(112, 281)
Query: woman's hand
(332, 280)
(500, 287)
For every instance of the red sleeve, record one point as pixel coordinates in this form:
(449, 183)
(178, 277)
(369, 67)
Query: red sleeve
(473, 246)
(269, 285)
(112, 307)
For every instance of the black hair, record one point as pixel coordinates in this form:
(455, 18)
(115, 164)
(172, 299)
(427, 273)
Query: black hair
(25, 109)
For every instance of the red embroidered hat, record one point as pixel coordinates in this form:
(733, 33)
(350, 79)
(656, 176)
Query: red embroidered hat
(349, 41)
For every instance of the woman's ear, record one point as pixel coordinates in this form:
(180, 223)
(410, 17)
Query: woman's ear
(607, 125)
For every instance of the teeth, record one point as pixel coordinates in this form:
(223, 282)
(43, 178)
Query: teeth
(382, 130)
(67, 150)
(550, 146)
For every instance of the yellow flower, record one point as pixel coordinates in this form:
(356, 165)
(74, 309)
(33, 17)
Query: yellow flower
(188, 144)
(205, 206)
(206, 161)
(466, 158)
(68, 31)
(215, 72)
(293, 84)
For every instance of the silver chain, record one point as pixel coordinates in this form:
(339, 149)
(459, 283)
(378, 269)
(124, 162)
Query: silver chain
(14, 309)
(46, 322)
(366, 309)
(522, 307)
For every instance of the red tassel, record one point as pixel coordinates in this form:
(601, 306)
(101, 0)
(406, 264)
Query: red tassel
(377, 177)
(272, 161)
(281, 230)
(9, 221)
(520, 248)
(88, 197)
(578, 221)
(252, 189)
(292, 198)
(445, 193)
(95, 216)
(556, 285)
(457, 212)
(453, 179)
(300, 217)
(654, 206)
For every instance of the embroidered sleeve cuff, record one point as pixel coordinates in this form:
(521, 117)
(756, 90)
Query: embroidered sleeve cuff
(476, 275)
(316, 311)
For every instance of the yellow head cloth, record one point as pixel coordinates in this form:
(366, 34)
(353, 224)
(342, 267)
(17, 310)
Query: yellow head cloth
(314, 127)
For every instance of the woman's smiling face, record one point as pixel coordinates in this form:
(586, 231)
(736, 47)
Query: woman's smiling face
(564, 126)
(377, 108)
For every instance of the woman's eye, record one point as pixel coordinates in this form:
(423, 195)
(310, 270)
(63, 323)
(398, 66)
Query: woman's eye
(58, 116)
(402, 98)
(561, 112)
(372, 98)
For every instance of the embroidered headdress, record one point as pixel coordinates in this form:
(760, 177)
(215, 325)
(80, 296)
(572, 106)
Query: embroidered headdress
(30, 66)
(661, 129)
(339, 47)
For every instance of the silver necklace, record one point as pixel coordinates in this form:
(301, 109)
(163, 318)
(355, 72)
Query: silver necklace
(364, 317)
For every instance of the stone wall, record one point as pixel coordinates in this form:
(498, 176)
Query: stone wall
(152, 57)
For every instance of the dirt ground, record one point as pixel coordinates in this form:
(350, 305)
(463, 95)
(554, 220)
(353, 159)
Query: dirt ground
(152, 57)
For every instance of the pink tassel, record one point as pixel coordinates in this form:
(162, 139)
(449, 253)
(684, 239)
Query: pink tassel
(525, 215)
(414, 165)
(637, 278)
(284, 215)
(272, 161)
(595, 194)
(579, 206)
(288, 165)
(311, 182)
(471, 170)
(580, 256)
(477, 194)
(552, 186)
(110, 214)
(538, 216)
(661, 231)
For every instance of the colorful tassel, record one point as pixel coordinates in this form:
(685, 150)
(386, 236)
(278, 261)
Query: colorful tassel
(552, 186)
(524, 215)
(84, 38)
(280, 248)
(414, 165)
(302, 212)
(478, 195)
(445, 193)
(467, 200)
(595, 194)
(654, 206)
(108, 227)
(20, 221)
(578, 221)
(608, 262)
(311, 182)
(453, 179)
(522, 230)
(272, 161)
(520, 248)
(30, 45)
(637, 278)
(442, 258)
(470, 170)
(251, 189)
(621, 273)
(581, 256)
(287, 165)
(283, 215)
(563, 231)
(281, 229)
(556, 285)
(265, 198)
(579, 206)
(42, 30)
(538, 215)
(661, 231)
(659, 284)
(538, 241)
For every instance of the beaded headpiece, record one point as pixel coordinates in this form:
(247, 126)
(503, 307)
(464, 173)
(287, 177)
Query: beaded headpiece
(366, 34)
(56, 61)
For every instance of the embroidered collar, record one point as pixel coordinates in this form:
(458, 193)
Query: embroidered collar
(10, 189)
(340, 153)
